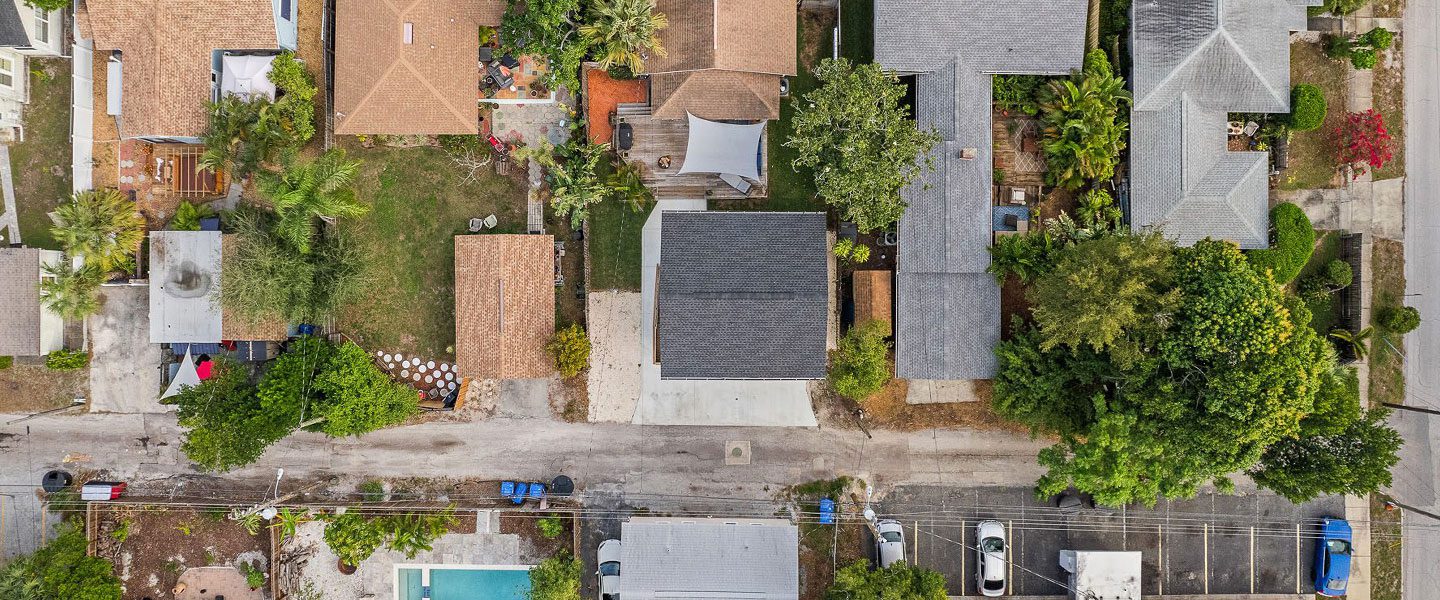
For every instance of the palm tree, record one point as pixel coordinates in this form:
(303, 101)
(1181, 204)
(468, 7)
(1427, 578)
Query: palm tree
(1357, 341)
(622, 31)
(626, 186)
(72, 293)
(305, 191)
(243, 133)
(100, 226)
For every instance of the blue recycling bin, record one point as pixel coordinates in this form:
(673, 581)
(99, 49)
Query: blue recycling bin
(827, 511)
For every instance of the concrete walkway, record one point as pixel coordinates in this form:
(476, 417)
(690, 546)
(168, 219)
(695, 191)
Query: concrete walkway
(10, 218)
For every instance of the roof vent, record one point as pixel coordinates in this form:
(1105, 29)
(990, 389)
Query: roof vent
(409, 32)
(969, 153)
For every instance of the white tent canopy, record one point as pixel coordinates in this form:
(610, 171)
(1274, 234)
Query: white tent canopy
(187, 376)
(246, 75)
(724, 148)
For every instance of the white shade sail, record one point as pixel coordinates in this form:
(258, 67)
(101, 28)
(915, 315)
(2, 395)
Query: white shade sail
(246, 76)
(725, 148)
(187, 376)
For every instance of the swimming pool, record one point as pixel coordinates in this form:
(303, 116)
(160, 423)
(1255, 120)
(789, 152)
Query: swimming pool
(462, 582)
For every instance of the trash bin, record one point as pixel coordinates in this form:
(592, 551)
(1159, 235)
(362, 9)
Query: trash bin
(561, 485)
(54, 481)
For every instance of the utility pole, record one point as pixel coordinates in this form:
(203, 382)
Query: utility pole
(1428, 411)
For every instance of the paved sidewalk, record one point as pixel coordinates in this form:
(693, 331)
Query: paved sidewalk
(10, 218)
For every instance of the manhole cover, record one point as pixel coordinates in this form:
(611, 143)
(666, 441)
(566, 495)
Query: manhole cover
(737, 453)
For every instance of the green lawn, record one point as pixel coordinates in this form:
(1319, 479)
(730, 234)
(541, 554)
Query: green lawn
(418, 204)
(1385, 545)
(41, 164)
(1312, 153)
(614, 246)
(1327, 248)
(1387, 285)
(1389, 92)
(857, 30)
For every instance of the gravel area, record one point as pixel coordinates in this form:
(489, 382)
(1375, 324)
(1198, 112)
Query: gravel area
(614, 352)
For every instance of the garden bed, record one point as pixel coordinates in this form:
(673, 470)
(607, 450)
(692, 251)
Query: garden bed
(41, 164)
(1312, 153)
(152, 545)
(534, 544)
(1385, 550)
(1327, 248)
(418, 202)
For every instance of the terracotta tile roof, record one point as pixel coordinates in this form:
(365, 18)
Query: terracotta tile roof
(504, 305)
(166, 48)
(723, 59)
(20, 295)
(874, 297)
(235, 328)
(735, 35)
(715, 95)
(429, 86)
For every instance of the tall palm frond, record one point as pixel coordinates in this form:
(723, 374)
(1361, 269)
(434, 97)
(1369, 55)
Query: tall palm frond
(305, 191)
(71, 293)
(1358, 341)
(623, 31)
(101, 226)
(626, 185)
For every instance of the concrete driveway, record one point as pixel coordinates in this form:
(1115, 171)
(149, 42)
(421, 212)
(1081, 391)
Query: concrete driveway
(124, 365)
(704, 402)
(1213, 544)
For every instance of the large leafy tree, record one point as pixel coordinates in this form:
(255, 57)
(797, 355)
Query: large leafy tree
(70, 292)
(546, 28)
(861, 366)
(304, 191)
(60, 569)
(860, 142)
(267, 278)
(228, 425)
(1354, 460)
(1204, 391)
(573, 172)
(1100, 290)
(622, 32)
(355, 396)
(102, 227)
(1084, 125)
(899, 581)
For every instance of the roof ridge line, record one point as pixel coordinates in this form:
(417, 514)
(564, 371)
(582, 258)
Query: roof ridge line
(1189, 58)
(472, 120)
(1250, 63)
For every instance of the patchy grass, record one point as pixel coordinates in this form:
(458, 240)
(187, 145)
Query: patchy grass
(418, 204)
(1389, 93)
(41, 164)
(857, 30)
(614, 246)
(791, 190)
(1327, 248)
(1312, 153)
(1385, 544)
(1388, 8)
(30, 388)
(1387, 285)
(887, 409)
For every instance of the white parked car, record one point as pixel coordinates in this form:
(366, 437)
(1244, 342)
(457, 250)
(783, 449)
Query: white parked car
(608, 555)
(990, 558)
(891, 545)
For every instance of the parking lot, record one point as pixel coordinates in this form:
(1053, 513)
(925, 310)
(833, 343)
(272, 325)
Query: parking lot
(1213, 544)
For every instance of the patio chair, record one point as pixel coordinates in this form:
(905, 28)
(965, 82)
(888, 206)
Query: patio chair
(476, 224)
(491, 221)
(737, 182)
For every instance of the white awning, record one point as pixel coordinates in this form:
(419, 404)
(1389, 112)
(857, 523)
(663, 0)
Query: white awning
(724, 148)
(246, 76)
(187, 376)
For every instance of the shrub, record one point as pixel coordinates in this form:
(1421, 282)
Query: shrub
(1338, 274)
(862, 364)
(254, 577)
(556, 578)
(1363, 142)
(1016, 93)
(1307, 107)
(1341, 8)
(850, 252)
(1292, 241)
(67, 360)
(6, 362)
(571, 349)
(1097, 208)
(550, 527)
(1399, 319)
(296, 103)
(1314, 288)
(187, 216)
(372, 490)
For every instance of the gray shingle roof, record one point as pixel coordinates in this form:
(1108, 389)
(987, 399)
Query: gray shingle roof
(12, 30)
(1194, 62)
(20, 297)
(709, 558)
(949, 308)
(742, 295)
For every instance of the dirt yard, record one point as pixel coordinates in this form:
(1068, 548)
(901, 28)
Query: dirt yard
(152, 546)
(28, 388)
(534, 545)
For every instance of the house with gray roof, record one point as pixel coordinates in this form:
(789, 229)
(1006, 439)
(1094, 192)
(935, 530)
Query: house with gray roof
(709, 558)
(1195, 62)
(948, 306)
(742, 295)
(27, 328)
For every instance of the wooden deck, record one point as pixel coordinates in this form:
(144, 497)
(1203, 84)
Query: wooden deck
(655, 138)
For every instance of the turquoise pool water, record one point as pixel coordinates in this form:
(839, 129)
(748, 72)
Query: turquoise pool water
(465, 584)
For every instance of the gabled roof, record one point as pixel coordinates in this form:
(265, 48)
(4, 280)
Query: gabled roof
(1194, 63)
(185, 286)
(742, 295)
(756, 559)
(12, 29)
(723, 59)
(948, 307)
(429, 86)
(166, 50)
(504, 305)
(20, 319)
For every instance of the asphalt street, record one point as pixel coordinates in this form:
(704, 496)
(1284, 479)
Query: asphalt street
(1416, 476)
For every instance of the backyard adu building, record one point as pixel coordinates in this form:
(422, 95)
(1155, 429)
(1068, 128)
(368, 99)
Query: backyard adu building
(709, 558)
(504, 305)
(722, 60)
(185, 287)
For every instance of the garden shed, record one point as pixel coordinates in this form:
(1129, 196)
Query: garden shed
(504, 305)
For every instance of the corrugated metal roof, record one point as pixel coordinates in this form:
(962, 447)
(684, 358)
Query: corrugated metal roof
(709, 558)
(742, 295)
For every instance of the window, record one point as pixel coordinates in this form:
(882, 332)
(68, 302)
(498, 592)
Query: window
(285, 9)
(42, 25)
(7, 72)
